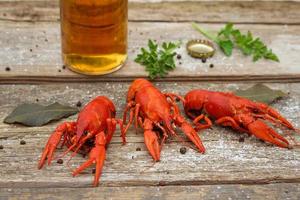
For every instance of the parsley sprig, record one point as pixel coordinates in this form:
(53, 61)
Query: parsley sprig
(228, 38)
(158, 60)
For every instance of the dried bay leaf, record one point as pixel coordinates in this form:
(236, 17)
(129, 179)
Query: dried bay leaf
(38, 115)
(261, 93)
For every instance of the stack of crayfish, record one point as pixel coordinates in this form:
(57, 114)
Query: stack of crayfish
(159, 115)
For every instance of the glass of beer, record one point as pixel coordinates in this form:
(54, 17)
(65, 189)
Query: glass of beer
(94, 35)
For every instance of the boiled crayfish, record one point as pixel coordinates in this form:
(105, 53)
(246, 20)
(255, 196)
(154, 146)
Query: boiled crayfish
(239, 113)
(91, 133)
(156, 112)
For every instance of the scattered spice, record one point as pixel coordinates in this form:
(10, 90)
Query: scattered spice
(60, 161)
(203, 60)
(7, 69)
(138, 149)
(1, 147)
(241, 139)
(79, 104)
(182, 150)
(30, 50)
(22, 142)
(180, 63)
(37, 100)
(179, 56)
(211, 65)
(46, 40)
(59, 70)
(64, 66)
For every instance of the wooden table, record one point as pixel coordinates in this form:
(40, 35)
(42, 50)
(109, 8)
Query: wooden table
(231, 169)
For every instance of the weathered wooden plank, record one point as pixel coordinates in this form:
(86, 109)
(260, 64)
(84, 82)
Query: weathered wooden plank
(259, 192)
(273, 12)
(32, 51)
(227, 160)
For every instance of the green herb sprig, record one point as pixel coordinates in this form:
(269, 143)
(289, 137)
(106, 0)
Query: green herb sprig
(158, 60)
(228, 38)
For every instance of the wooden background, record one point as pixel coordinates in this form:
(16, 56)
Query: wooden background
(30, 46)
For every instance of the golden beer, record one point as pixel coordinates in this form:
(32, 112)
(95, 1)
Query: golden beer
(94, 35)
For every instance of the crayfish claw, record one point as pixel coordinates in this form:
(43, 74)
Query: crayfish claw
(190, 132)
(265, 133)
(50, 148)
(152, 144)
(97, 155)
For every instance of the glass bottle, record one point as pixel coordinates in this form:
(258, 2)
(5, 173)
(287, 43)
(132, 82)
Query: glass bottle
(94, 35)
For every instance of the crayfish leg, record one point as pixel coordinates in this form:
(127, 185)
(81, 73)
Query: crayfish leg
(54, 140)
(200, 126)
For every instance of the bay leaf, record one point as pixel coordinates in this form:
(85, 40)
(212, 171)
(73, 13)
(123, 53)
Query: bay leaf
(38, 115)
(261, 93)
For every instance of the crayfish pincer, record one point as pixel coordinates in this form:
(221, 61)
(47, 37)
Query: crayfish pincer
(236, 112)
(156, 113)
(91, 133)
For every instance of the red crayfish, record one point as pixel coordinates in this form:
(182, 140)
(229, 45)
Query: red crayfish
(91, 133)
(156, 112)
(239, 113)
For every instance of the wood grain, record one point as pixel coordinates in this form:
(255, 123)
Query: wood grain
(227, 160)
(249, 11)
(258, 192)
(32, 51)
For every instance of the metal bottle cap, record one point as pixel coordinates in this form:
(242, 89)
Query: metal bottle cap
(200, 48)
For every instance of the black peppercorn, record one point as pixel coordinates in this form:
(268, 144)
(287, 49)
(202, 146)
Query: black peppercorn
(241, 139)
(138, 149)
(22, 142)
(182, 150)
(60, 161)
(7, 69)
(79, 104)
(1, 147)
